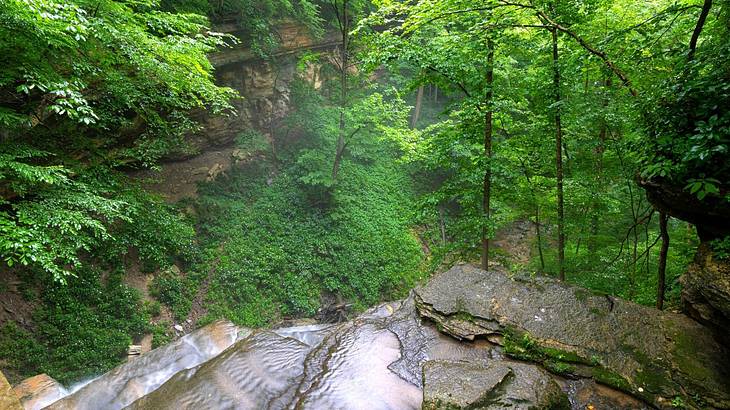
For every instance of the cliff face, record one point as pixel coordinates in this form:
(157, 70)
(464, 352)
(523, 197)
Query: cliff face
(264, 85)
(265, 88)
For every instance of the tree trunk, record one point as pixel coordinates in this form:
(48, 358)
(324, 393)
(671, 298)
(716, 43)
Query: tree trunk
(442, 224)
(539, 237)
(600, 149)
(487, 192)
(698, 29)
(662, 270)
(559, 159)
(417, 109)
(340, 150)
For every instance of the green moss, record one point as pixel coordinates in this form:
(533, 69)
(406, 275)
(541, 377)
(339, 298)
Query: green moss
(559, 367)
(563, 355)
(581, 294)
(609, 378)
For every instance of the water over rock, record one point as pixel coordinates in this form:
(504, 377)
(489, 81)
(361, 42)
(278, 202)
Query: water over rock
(468, 339)
(658, 356)
(136, 378)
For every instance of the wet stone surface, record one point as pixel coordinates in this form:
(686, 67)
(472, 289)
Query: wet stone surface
(656, 356)
(452, 344)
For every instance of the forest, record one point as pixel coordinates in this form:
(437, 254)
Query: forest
(367, 145)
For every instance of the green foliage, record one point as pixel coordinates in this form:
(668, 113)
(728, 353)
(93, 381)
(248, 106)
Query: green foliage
(60, 224)
(88, 87)
(174, 290)
(721, 248)
(256, 19)
(279, 253)
(82, 328)
(161, 334)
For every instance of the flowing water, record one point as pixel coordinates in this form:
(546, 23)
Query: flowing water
(373, 362)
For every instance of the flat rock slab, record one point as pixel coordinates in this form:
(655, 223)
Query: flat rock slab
(657, 356)
(500, 385)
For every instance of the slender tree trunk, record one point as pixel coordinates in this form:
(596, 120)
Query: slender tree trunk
(539, 237)
(340, 150)
(442, 224)
(698, 29)
(538, 231)
(600, 149)
(559, 159)
(662, 270)
(417, 109)
(487, 192)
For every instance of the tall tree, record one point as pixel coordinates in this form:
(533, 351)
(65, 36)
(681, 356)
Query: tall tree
(488, 127)
(558, 156)
(662, 268)
(343, 21)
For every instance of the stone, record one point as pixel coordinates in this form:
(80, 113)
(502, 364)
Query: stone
(39, 391)
(706, 290)
(216, 170)
(179, 328)
(8, 399)
(576, 333)
(499, 385)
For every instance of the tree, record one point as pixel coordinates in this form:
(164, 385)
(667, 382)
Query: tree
(89, 87)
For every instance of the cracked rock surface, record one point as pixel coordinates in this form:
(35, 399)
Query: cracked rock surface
(653, 355)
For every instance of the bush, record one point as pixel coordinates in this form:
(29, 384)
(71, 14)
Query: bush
(175, 291)
(83, 329)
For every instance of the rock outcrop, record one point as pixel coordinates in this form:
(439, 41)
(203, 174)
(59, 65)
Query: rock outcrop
(706, 285)
(8, 399)
(39, 391)
(501, 385)
(657, 356)
(487, 342)
(706, 291)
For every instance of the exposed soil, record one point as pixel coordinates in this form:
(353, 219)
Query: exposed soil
(179, 180)
(13, 306)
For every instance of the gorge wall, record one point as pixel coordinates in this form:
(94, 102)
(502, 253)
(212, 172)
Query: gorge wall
(265, 89)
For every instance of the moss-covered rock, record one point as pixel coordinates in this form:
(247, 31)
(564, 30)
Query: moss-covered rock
(656, 356)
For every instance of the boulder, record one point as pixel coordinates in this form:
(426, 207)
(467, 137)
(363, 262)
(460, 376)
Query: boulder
(8, 399)
(499, 385)
(706, 290)
(39, 391)
(657, 356)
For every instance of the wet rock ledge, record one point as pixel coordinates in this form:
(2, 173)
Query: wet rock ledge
(665, 359)
(468, 339)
